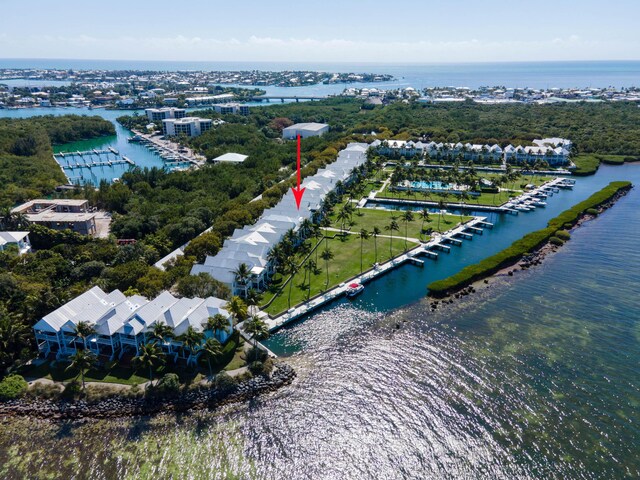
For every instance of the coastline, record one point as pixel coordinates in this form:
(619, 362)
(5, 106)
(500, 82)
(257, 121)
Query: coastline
(120, 406)
(522, 263)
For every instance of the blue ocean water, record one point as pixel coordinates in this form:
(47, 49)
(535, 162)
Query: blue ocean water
(578, 74)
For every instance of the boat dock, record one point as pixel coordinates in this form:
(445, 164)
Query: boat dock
(74, 163)
(411, 256)
(170, 152)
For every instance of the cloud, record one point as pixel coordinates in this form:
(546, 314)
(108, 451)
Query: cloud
(256, 48)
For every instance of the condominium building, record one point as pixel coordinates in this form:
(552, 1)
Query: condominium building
(159, 114)
(189, 126)
(230, 108)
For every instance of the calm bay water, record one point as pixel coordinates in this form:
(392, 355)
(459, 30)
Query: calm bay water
(511, 74)
(535, 378)
(141, 155)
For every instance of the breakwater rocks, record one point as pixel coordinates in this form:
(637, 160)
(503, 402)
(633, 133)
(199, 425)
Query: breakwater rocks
(117, 406)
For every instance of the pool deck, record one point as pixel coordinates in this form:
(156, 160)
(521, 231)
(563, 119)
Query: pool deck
(427, 249)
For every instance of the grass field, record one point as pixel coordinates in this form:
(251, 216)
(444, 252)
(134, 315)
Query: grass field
(368, 218)
(344, 264)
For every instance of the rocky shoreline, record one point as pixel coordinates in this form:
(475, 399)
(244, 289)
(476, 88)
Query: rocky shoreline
(525, 262)
(120, 406)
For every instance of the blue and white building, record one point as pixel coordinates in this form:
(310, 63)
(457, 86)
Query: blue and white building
(122, 324)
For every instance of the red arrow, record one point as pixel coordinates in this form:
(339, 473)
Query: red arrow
(298, 192)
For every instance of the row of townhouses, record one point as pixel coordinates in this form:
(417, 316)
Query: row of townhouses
(251, 245)
(122, 324)
(554, 151)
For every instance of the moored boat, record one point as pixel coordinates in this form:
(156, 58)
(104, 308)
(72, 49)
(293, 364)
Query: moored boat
(354, 289)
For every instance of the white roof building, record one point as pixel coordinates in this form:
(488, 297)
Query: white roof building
(231, 158)
(119, 320)
(19, 239)
(305, 130)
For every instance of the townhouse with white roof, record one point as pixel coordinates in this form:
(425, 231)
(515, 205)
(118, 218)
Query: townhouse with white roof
(122, 324)
(19, 239)
(252, 244)
(554, 151)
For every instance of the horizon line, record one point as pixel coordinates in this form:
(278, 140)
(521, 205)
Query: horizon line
(311, 62)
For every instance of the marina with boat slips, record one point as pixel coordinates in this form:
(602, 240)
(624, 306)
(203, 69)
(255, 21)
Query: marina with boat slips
(438, 244)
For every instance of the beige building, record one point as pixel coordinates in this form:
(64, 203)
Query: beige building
(62, 214)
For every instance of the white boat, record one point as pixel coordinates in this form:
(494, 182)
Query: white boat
(354, 289)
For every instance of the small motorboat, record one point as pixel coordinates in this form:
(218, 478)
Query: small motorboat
(354, 289)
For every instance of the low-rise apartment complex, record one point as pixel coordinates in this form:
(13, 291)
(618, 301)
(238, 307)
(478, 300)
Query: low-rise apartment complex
(122, 324)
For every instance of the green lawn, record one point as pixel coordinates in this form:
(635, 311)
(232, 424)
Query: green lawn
(109, 374)
(368, 218)
(482, 199)
(345, 264)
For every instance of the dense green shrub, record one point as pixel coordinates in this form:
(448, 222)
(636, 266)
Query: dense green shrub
(225, 382)
(563, 235)
(12, 386)
(556, 241)
(72, 389)
(168, 384)
(591, 211)
(256, 367)
(529, 242)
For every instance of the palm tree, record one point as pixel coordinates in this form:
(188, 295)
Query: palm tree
(441, 206)
(309, 267)
(292, 269)
(254, 297)
(191, 340)
(326, 255)
(83, 330)
(392, 227)
(237, 307)
(317, 234)
(464, 196)
(306, 228)
(83, 361)
(242, 274)
(342, 217)
(407, 217)
(374, 233)
(364, 235)
(160, 332)
(424, 215)
(211, 349)
(217, 323)
(149, 356)
(258, 330)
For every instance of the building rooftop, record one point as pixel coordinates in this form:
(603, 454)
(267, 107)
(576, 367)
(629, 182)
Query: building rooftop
(308, 126)
(231, 157)
(68, 217)
(11, 237)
